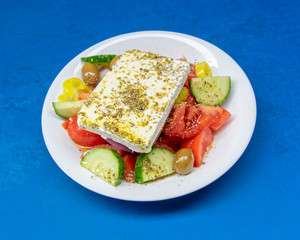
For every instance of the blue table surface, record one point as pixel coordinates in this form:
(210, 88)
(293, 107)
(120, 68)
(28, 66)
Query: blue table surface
(258, 198)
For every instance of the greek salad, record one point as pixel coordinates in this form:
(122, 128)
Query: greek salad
(186, 136)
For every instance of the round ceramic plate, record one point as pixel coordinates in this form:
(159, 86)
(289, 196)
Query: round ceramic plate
(229, 142)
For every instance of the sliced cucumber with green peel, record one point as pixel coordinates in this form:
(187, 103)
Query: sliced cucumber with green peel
(101, 60)
(211, 91)
(67, 109)
(105, 163)
(153, 165)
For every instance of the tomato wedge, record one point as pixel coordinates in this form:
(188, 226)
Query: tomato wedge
(169, 140)
(190, 98)
(80, 136)
(219, 115)
(129, 161)
(199, 145)
(190, 75)
(66, 124)
(203, 122)
(175, 124)
(186, 122)
(83, 96)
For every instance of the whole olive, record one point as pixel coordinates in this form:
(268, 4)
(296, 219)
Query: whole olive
(113, 61)
(184, 161)
(90, 74)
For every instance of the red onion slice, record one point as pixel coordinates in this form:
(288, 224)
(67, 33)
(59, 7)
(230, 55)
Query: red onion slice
(118, 145)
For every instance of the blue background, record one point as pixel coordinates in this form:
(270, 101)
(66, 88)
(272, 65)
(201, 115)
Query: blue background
(256, 199)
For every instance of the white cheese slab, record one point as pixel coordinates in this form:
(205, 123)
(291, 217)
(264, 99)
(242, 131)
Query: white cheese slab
(132, 102)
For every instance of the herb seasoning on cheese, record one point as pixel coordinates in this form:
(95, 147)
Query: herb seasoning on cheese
(131, 103)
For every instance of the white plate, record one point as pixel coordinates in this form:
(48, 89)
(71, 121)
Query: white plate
(229, 143)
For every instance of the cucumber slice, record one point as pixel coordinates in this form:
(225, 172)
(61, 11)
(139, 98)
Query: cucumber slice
(153, 165)
(210, 91)
(100, 60)
(67, 109)
(105, 163)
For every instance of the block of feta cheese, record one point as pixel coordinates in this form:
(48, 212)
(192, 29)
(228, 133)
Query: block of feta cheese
(132, 102)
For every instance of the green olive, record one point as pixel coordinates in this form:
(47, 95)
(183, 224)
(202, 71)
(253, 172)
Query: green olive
(90, 74)
(184, 161)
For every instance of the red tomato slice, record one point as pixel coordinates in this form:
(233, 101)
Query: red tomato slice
(199, 145)
(186, 122)
(169, 140)
(193, 68)
(82, 137)
(175, 124)
(192, 113)
(203, 122)
(190, 99)
(219, 115)
(83, 96)
(129, 161)
(190, 75)
(66, 124)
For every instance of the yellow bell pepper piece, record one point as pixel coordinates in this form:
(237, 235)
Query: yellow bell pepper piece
(71, 88)
(203, 69)
(182, 96)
